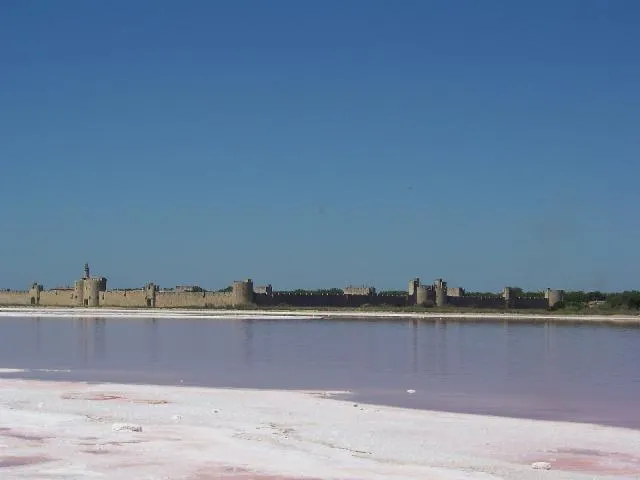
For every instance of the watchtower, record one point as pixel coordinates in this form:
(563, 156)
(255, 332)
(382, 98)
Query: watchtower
(441, 292)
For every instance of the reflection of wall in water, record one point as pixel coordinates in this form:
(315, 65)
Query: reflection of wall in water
(247, 343)
(414, 345)
(38, 328)
(99, 338)
(153, 328)
(82, 339)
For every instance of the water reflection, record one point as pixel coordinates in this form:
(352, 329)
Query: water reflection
(247, 340)
(38, 335)
(99, 336)
(153, 345)
(544, 369)
(414, 346)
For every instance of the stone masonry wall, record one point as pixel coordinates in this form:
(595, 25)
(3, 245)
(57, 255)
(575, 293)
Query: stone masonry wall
(15, 298)
(193, 299)
(123, 298)
(57, 298)
(327, 300)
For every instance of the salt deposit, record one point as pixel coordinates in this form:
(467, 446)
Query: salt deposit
(53, 312)
(65, 430)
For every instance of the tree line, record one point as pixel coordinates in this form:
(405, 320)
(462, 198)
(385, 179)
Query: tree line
(629, 299)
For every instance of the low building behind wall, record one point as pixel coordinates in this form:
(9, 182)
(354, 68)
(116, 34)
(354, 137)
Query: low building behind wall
(362, 291)
(455, 292)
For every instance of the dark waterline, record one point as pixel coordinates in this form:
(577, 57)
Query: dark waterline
(547, 371)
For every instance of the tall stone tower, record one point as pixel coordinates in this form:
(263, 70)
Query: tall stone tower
(507, 294)
(86, 291)
(242, 292)
(440, 287)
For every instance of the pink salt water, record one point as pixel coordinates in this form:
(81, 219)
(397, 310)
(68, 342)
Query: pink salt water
(584, 373)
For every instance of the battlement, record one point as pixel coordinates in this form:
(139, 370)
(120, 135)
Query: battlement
(91, 291)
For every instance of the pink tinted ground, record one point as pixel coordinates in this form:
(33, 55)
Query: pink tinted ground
(589, 461)
(597, 462)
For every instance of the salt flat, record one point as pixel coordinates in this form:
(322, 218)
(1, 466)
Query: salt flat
(51, 430)
(52, 312)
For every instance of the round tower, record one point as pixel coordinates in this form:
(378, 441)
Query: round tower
(554, 297)
(441, 292)
(150, 290)
(422, 295)
(413, 286)
(78, 293)
(91, 291)
(34, 293)
(242, 292)
(507, 294)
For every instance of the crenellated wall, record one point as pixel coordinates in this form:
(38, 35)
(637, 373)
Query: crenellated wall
(476, 302)
(57, 298)
(15, 298)
(172, 299)
(529, 303)
(90, 291)
(123, 298)
(328, 300)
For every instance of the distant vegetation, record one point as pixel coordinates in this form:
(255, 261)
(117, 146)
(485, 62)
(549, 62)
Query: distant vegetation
(321, 291)
(392, 292)
(573, 300)
(577, 300)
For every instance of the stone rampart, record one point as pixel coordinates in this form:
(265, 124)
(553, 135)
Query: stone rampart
(123, 298)
(15, 298)
(172, 299)
(476, 302)
(530, 303)
(328, 300)
(57, 298)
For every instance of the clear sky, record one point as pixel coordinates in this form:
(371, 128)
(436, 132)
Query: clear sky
(320, 143)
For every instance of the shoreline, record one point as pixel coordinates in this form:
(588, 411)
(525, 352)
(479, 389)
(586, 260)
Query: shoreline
(80, 430)
(285, 314)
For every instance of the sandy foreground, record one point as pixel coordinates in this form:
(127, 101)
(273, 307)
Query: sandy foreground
(58, 430)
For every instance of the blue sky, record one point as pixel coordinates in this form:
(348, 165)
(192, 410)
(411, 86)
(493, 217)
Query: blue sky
(320, 143)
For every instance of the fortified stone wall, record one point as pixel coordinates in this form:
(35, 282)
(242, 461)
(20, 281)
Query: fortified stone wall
(123, 298)
(425, 295)
(328, 300)
(166, 299)
(15, 298)
(57, 298)
(91, 292)
(392, 300)
(476, 302)
(498, 302)
(221, 300)
(180, 299)
(529, 303)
